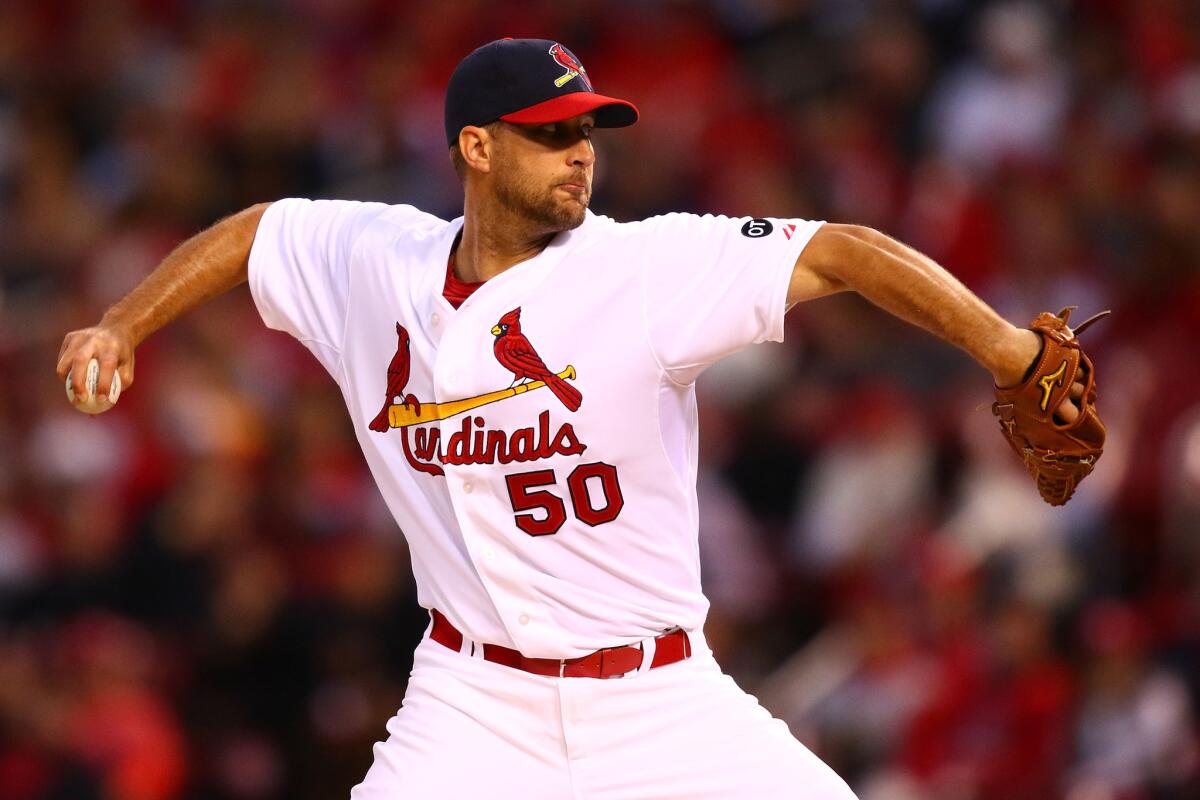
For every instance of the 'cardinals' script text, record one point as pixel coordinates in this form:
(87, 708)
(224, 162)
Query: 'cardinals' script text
(474, 443)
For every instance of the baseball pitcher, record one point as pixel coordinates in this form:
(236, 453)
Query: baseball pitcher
(522, 383)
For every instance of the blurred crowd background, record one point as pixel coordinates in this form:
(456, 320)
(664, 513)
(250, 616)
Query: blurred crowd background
(201, 594)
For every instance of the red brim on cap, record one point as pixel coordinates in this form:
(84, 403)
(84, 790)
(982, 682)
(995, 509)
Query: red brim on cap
(610, 112)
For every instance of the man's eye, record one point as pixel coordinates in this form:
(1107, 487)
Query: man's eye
(550, 129)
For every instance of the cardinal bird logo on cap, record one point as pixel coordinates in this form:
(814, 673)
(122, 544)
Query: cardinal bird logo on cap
(567, 60)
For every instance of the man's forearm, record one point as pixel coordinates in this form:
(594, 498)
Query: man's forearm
(206, 265)
(912, 286)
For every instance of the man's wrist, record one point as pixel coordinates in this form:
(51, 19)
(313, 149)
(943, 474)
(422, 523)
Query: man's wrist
(120, 327)
(1015, 355)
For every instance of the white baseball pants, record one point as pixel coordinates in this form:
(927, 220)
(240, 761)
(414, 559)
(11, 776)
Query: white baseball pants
(472, 729)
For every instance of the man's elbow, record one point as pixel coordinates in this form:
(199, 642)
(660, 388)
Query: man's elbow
(833, 260)
(843, 240)
(842, 249)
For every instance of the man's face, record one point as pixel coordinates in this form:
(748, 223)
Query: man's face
(544, 172)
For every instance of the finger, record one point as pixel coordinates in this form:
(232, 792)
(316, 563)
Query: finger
(108, 365)
(66, 354)
(126, 372)
(78, 370)
(1066, 413)
(62, 350)
(1076, 390)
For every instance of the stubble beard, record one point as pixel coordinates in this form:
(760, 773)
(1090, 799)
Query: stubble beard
(540, 206)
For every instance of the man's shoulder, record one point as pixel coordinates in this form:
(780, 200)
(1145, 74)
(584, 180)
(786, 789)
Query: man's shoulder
(688, 229)
(404, 217)
(396, 226)
(674, 230)
(360, 214)
(657, 222)
(394, 220)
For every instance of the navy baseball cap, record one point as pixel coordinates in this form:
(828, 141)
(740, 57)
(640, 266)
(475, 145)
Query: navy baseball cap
(526, 81)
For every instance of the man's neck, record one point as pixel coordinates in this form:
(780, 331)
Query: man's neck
(492, 240)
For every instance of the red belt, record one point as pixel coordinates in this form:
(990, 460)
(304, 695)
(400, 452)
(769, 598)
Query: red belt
(611, 662)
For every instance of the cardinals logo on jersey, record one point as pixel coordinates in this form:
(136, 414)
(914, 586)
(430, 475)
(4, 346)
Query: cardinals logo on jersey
(397, 380)
(567, 60)
(514, 351)
(475, 442)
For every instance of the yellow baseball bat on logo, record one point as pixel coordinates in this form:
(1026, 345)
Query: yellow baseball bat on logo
(401, 417)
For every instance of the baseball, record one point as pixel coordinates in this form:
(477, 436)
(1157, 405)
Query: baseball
(90, 403)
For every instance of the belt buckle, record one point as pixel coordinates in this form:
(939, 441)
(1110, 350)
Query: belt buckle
(608, 656)
(600, 659)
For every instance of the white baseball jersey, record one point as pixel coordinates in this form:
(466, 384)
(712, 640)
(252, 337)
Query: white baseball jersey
(547, 488)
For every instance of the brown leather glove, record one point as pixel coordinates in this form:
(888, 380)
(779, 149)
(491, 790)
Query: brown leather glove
(1057, 454)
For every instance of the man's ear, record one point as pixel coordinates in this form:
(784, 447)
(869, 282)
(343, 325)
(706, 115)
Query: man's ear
(477, 146)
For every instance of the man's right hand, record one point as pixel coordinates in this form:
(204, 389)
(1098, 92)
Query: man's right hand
(111, 345)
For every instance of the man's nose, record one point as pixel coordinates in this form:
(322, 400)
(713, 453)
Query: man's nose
(582, 153)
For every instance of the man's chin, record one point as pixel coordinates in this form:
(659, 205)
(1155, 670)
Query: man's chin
(577, 207)
(554, 215)
(570, 215)
(576, 217)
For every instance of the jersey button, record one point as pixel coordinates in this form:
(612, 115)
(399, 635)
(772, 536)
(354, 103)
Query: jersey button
(523, 619)
(467, 487)
(436, 319)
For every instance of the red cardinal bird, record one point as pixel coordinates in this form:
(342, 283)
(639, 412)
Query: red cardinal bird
(397, 379)
(515, 352)
(566, 60)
